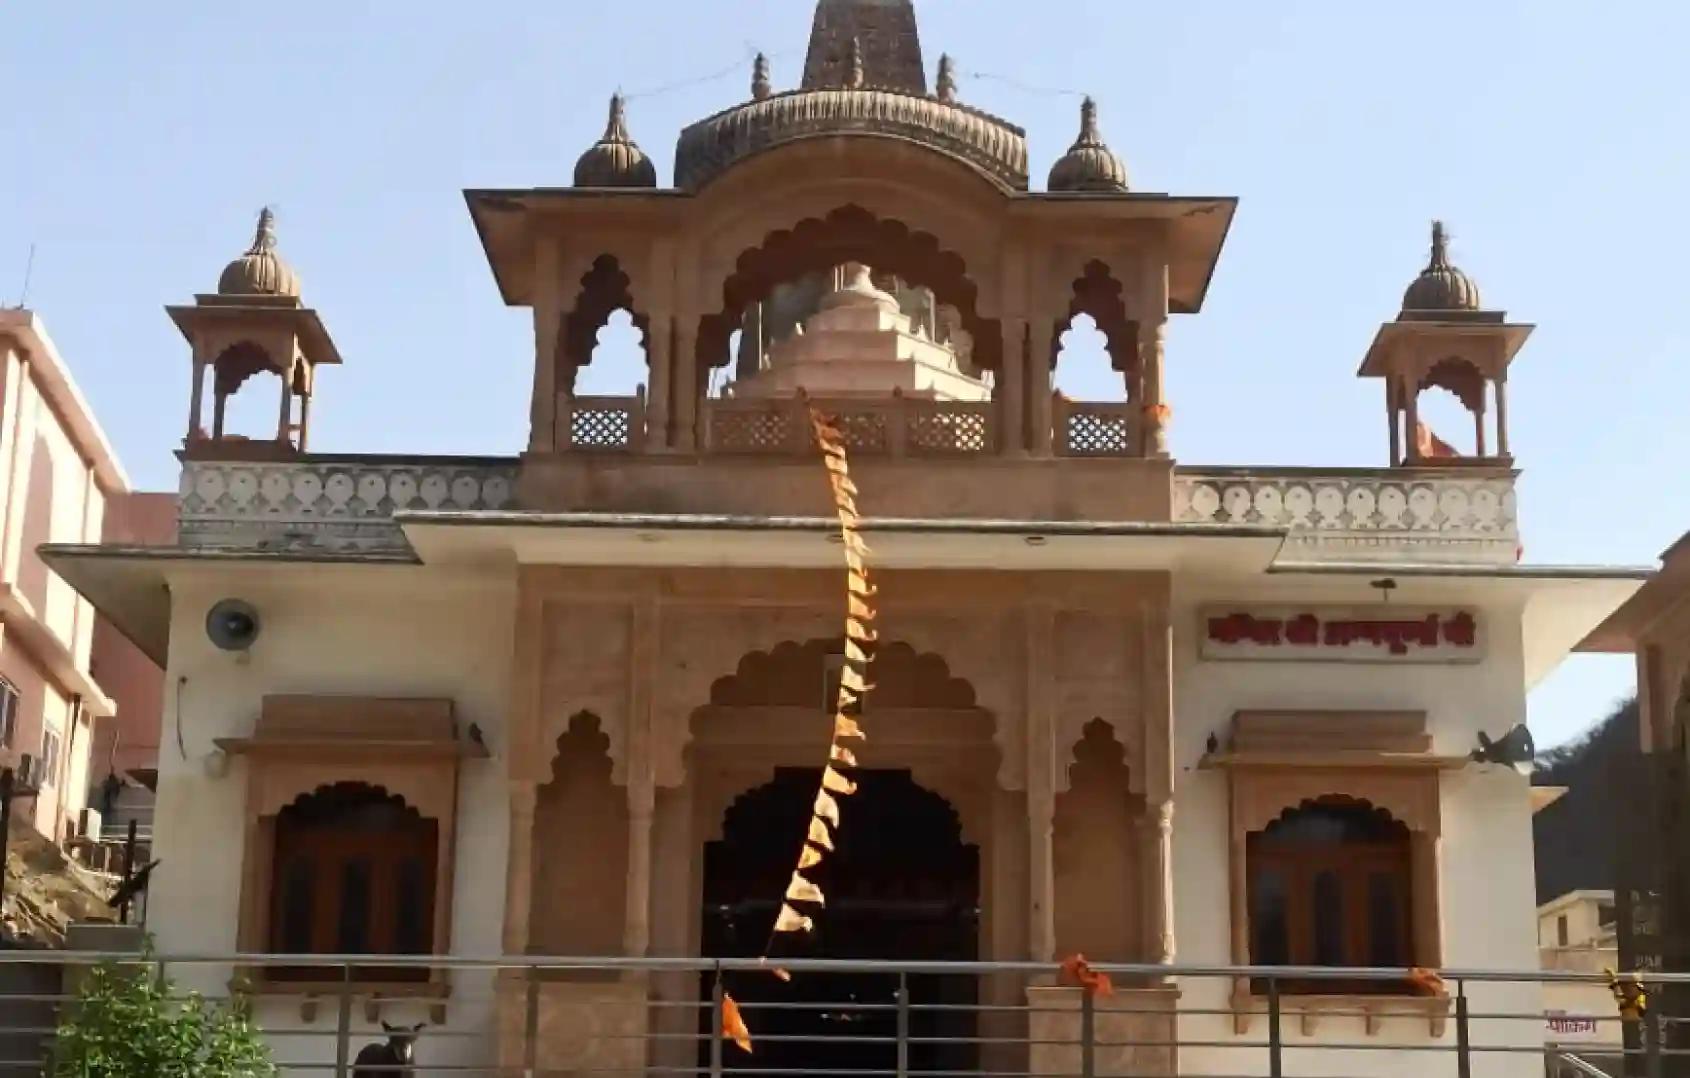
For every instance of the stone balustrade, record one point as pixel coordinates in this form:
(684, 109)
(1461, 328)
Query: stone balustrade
(330, 504)
(1449, 514)
(894, 426)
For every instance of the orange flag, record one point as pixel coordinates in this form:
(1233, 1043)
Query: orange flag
(1079, 971)
(818, 835)
(1430, 446)
(733, 1024)
(842, 756)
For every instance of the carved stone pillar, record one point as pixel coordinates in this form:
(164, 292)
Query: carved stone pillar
(1154, 408)
(1394, 420)
(660, 355)
(1157, 706)
(196, 399)
(285, 419)
(548, 323)
(1411, 393)
(1009, 392)
(1502, 417)
(1041, 785)
(1158, 845)
(519, 868)
(685, 390)
(1040, 385)
(1425, 852)
(642, 672)
(636, 936)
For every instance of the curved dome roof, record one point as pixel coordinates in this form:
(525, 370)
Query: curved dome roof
(993, 147)
(615, 160)
(1440, 286)
(260, 271)
(1089, 164)
(863, 76)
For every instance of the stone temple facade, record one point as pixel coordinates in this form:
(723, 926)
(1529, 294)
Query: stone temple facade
(577, 695)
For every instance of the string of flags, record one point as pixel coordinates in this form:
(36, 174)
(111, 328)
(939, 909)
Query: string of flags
(802, 893)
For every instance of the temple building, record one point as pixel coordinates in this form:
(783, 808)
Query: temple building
(574, 702)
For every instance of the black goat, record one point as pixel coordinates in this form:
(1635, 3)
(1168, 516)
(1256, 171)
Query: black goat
(396, 1056)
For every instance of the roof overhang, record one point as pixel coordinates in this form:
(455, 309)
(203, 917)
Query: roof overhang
(130, 586)
(57, 385)
(1197, 230)
(282, 312)
(504, 220)
(1376, 364)
(1665, 591)
(1559, 604)
(654, 540)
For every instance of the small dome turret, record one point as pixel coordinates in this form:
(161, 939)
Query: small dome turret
(1440, 286)
(614, 160)
(1089, 165)
(261, 271)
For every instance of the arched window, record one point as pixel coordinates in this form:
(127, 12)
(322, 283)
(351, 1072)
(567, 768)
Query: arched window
(354, 874)
(1330, 885)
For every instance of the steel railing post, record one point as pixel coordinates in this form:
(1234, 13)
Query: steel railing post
(343, 1025)
(1088, 1034)
(1652, 1061)
(531, 1025)
(903, 1025)
(1463, 1034)
(1276, 1062)
(716, 1025)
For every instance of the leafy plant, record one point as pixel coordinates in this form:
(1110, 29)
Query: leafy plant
(128, 1021)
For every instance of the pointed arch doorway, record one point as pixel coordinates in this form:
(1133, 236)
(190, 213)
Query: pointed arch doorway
(902, 885)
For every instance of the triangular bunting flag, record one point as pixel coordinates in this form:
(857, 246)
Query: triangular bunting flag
(842, 756)
(802, 890)
(827, 808)
(733, 1024)
(819, 835)
(790, 920)
(834, 782)
(846, 726)
(809, 856)
(854, 652)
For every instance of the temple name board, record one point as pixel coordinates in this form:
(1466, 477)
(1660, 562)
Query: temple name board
(1380, 634)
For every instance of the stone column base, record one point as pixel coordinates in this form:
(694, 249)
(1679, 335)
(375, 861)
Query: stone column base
(1134, 1031)
(580, 1025)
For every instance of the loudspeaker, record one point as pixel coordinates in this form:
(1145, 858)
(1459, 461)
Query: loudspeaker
(232, 625)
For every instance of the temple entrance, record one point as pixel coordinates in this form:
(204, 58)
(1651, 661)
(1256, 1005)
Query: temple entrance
(902, 885)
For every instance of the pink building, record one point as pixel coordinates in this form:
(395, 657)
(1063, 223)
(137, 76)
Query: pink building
(62, 483)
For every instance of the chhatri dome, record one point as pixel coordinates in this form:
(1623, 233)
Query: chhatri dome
(1089, 164)
(261, 271)
(615, 160)
(1440, 286)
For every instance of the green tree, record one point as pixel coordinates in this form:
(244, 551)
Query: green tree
(128, 1021)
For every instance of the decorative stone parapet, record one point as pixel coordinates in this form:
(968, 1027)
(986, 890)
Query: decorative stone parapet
(1434, 514)
(330, 504)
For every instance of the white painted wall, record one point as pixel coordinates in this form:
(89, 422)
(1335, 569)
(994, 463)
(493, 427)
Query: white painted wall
(326, 629)
(1488, 898)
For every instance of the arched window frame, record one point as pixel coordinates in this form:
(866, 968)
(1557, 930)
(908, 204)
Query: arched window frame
(1279, 761)
(406, 748)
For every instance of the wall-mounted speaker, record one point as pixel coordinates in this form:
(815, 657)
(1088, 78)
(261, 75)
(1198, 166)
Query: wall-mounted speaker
(232, 625)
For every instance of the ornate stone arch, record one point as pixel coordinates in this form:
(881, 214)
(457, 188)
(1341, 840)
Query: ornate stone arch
(604, 289)
(1100, 295)
(848, 233)
(1461, 377)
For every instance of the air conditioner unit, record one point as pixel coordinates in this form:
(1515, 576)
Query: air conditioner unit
(88, 823)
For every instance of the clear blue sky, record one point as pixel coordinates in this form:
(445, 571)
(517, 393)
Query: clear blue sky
(140, 140)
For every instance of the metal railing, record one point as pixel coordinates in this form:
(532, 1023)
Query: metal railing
(608, 1016)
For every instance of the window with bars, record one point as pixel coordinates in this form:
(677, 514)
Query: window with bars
(353, 874)
(8, 714)
(1329, 884)
(49, 767)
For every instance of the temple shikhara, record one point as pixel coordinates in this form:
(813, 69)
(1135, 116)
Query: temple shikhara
(575, 702)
